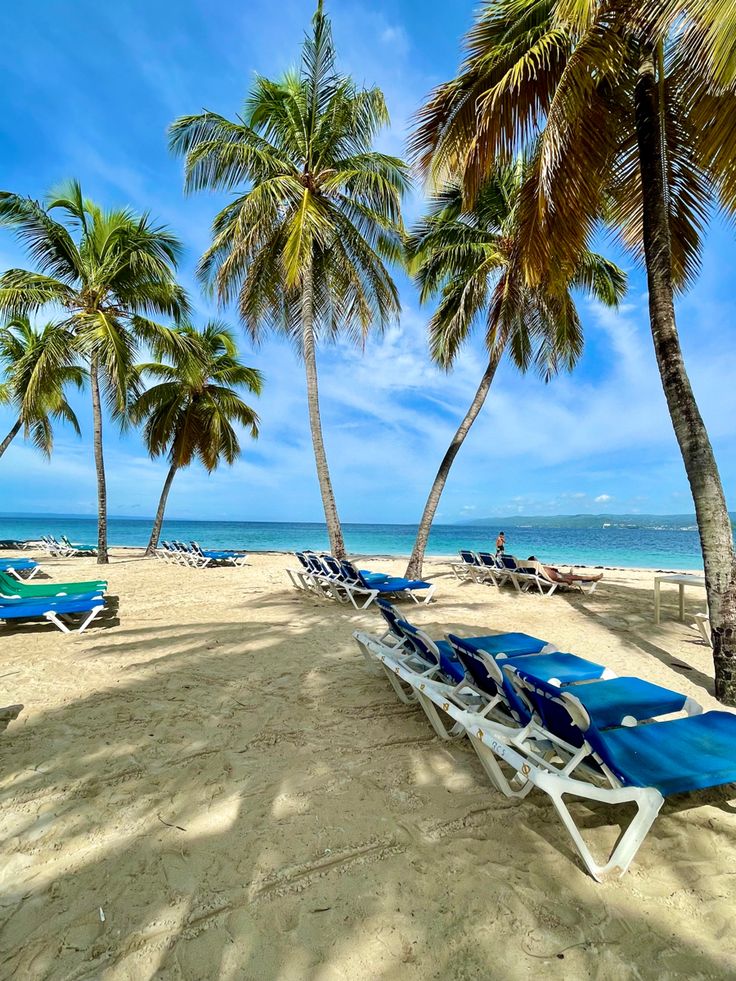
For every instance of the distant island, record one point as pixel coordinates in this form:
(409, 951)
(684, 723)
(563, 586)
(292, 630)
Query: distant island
(589, 520)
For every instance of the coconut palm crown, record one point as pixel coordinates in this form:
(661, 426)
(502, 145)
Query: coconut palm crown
(193, 409)
(633, 106)
(302, 247)
(105, 273)
(468, 257)
(39, 364)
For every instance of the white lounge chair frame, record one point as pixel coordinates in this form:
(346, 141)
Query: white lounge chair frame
(61, 620)
(536, 758)
(16, 573)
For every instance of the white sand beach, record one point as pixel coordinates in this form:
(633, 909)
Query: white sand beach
(217, 787)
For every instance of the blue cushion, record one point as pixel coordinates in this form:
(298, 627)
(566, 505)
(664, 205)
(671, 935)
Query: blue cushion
(16, 610)
(564, 667)
(371, 577)
(607, 702)
(677, 756)
(396, 585)
(450, 665)
(511, 644)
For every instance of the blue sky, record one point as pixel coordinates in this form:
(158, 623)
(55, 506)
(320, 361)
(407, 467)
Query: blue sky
(88, 89)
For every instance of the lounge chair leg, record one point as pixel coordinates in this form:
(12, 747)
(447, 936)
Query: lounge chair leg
(92, 615)
(648, 804)
(370, 660)
(57, 622)
(408, 698)
(456, 731)
(494, 772)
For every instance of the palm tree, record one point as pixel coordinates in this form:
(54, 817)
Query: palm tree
(302, 246)
(191, 411)
(107, 271)
(468, 257)
(634, 105)
(38, 366)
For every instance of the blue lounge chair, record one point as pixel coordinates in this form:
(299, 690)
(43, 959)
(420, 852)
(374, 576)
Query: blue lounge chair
(221, 556)
(15, 567)
(581, 733)
(501, 644)
(639, 764)
(468, 568)
(357, 584)
(56, 610)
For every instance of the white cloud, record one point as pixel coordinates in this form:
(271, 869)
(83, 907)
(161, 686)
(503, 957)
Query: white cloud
(388, 413)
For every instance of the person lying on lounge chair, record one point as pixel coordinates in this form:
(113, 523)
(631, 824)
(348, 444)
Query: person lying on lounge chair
(569, 578)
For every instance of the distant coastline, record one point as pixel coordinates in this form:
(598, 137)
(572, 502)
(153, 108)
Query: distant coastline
(581, 520)
(608, 541)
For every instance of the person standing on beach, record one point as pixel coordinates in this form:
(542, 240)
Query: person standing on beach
(501, 543)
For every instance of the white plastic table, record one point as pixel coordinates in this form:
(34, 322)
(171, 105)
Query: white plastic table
(681, 582)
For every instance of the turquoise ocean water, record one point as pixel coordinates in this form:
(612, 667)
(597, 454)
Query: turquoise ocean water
(662, 542)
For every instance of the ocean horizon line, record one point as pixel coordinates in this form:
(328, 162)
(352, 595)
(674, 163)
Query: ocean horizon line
(510, 520)
(606, 540)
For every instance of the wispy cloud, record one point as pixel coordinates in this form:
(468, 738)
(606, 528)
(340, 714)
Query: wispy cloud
(388, 412)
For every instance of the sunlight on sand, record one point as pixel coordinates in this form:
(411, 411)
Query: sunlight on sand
(244, 799)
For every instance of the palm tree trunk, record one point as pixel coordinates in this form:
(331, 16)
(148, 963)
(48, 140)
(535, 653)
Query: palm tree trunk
(714, 524)
(10, 437)
(414, 568)
(337, 545)
(159, 519)
(99, 463)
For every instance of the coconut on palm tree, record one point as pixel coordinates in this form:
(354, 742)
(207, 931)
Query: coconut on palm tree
(106, 272)
(468, 256)
(303, 245)
(634, 107)
(39, 364)
(192, 410)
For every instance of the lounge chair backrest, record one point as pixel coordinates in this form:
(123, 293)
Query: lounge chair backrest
(313, 563)
(332, 564)
(352, 574)
(324, 566)
(549, 704)
(420, 643)
(487, 559)
(508, 562)
(470, 557)
(301, 557)
(489, 677)
(392, 617)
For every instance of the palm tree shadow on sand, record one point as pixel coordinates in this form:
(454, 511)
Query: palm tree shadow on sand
(246, 801)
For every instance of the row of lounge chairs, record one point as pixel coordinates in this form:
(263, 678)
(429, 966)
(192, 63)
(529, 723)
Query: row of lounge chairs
(326, 576)
(68, 606)
(193, 555)
(499, 570)
(540, 718)
(64, 548)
